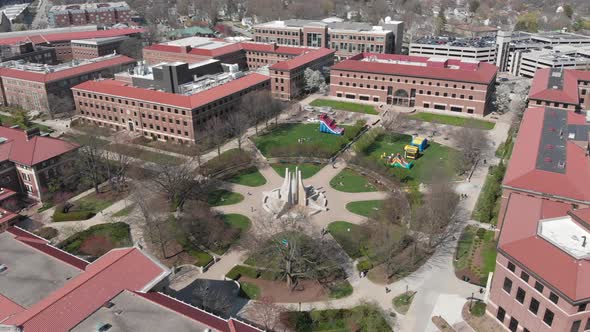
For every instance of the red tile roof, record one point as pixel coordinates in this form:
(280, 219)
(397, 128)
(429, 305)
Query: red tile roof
(302, 60)
(483, 73)
(69, 72)
(519, 241)
(117, 270)
(581, 215)
(6, 193)
(45, 247)
(522, 172)
(33, 151)
(202, 316)
(8, 307)
(568, 93)
(67, 36)
(120, 89)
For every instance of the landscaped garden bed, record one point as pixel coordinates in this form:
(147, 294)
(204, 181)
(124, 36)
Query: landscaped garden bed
(87, 206)
(98, 239)
(487, 207)
(361, 318)
(453, 120)
(476, 253)
(350, 181)
(345, 106)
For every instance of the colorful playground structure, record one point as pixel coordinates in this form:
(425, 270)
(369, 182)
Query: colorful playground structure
(397, 161)
(328, 125)
(417, 145)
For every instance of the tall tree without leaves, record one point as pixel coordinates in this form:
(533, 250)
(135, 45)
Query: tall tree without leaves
(313, 80)
(237, 125)
(472, 144)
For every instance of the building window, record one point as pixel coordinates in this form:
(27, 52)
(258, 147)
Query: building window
(524, 276)
(553, 297)
(507, 285)
(539, 287)
(582, 307)
(548, 317)
(534, 306)
(513, 326)
(576, 326)
(501, 314)
(587, 326)
(520, 295)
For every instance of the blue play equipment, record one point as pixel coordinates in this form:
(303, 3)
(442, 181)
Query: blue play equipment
(328, 125)
(420, 142)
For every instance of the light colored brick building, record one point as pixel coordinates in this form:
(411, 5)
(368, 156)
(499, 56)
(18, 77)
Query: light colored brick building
(94, 48)
(431, 83)
(105, 13)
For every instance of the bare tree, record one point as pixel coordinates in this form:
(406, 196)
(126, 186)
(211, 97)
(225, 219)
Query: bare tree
(131, 47)
(91, 160)
(471, 143)
(288, 247)
(237, 126)
(216, 132)
(254, 106)
(60, 104)
(393, 121)
(266, 313)
(435, 220)
(210, 295)
(117, 163)
(177, 182)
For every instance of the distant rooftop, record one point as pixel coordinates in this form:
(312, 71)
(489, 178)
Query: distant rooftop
(481, 42)
(89, 6)
(100, 41)
(332, 24)
(199, 42)
(13, 11)
(567, 235)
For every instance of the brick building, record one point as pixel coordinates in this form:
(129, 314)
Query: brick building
(160, 115)
(28, 52)
(104, 13)
(33, 86)
(542, 265)
(430, 83)
(29, 161)
(62, 41)
(564, 89)
(346, 38)
(286, 63)
(94, 48)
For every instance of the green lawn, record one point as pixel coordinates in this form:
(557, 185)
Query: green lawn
(283, 141)
(248, 177)
(340, 289)
(98, 239)
(363, 318)
(149, 156)
(223, 197)
(124, 212)
(9, 121)
(350, 181)
(364, 208)
(88, 206)
(421, 171)
(352, 238)
(402, 302)
(249, 290)
(307, 170)
(201, 258)
(345, 106)
(476, 253)
(453, 120)
(238, 221)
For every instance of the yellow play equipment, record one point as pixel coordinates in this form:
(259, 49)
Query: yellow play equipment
(411, 152)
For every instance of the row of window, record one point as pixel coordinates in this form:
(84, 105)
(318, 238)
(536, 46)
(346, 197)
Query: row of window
(399, 80)
(132, 103)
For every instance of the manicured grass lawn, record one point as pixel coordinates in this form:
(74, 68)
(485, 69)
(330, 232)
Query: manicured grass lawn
(145, 155)
(88, 206)
(402, 302)
(421, 171)
(361, 318)
(223, 197)
(478, 309)
(98, 239)
(340, 289)
(352, 238)
(350, 181)
(124, 212)
(364, 208)
(283, 141)
(201, 258)
(238, 221)
(9, 121)
(453, 120)
(345, 106)
(248, 177)
(250, 290)
(307, 170)
(476, 253)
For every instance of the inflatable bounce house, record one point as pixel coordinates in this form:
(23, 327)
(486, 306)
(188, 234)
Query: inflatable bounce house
(396, 161)
(416, 146)
(328, 125)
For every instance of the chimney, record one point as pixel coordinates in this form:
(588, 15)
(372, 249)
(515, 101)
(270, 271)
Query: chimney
(29, 133)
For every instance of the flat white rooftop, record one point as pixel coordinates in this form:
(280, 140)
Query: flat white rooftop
(199, 42)
(567, 235)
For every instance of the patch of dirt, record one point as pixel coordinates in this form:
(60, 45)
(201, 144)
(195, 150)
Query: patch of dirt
(175, 255)
(442, 324)
(306, 291)
(96, 245)
(484, 323)
(476, 260)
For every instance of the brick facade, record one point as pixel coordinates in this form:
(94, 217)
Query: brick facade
(84, 14)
